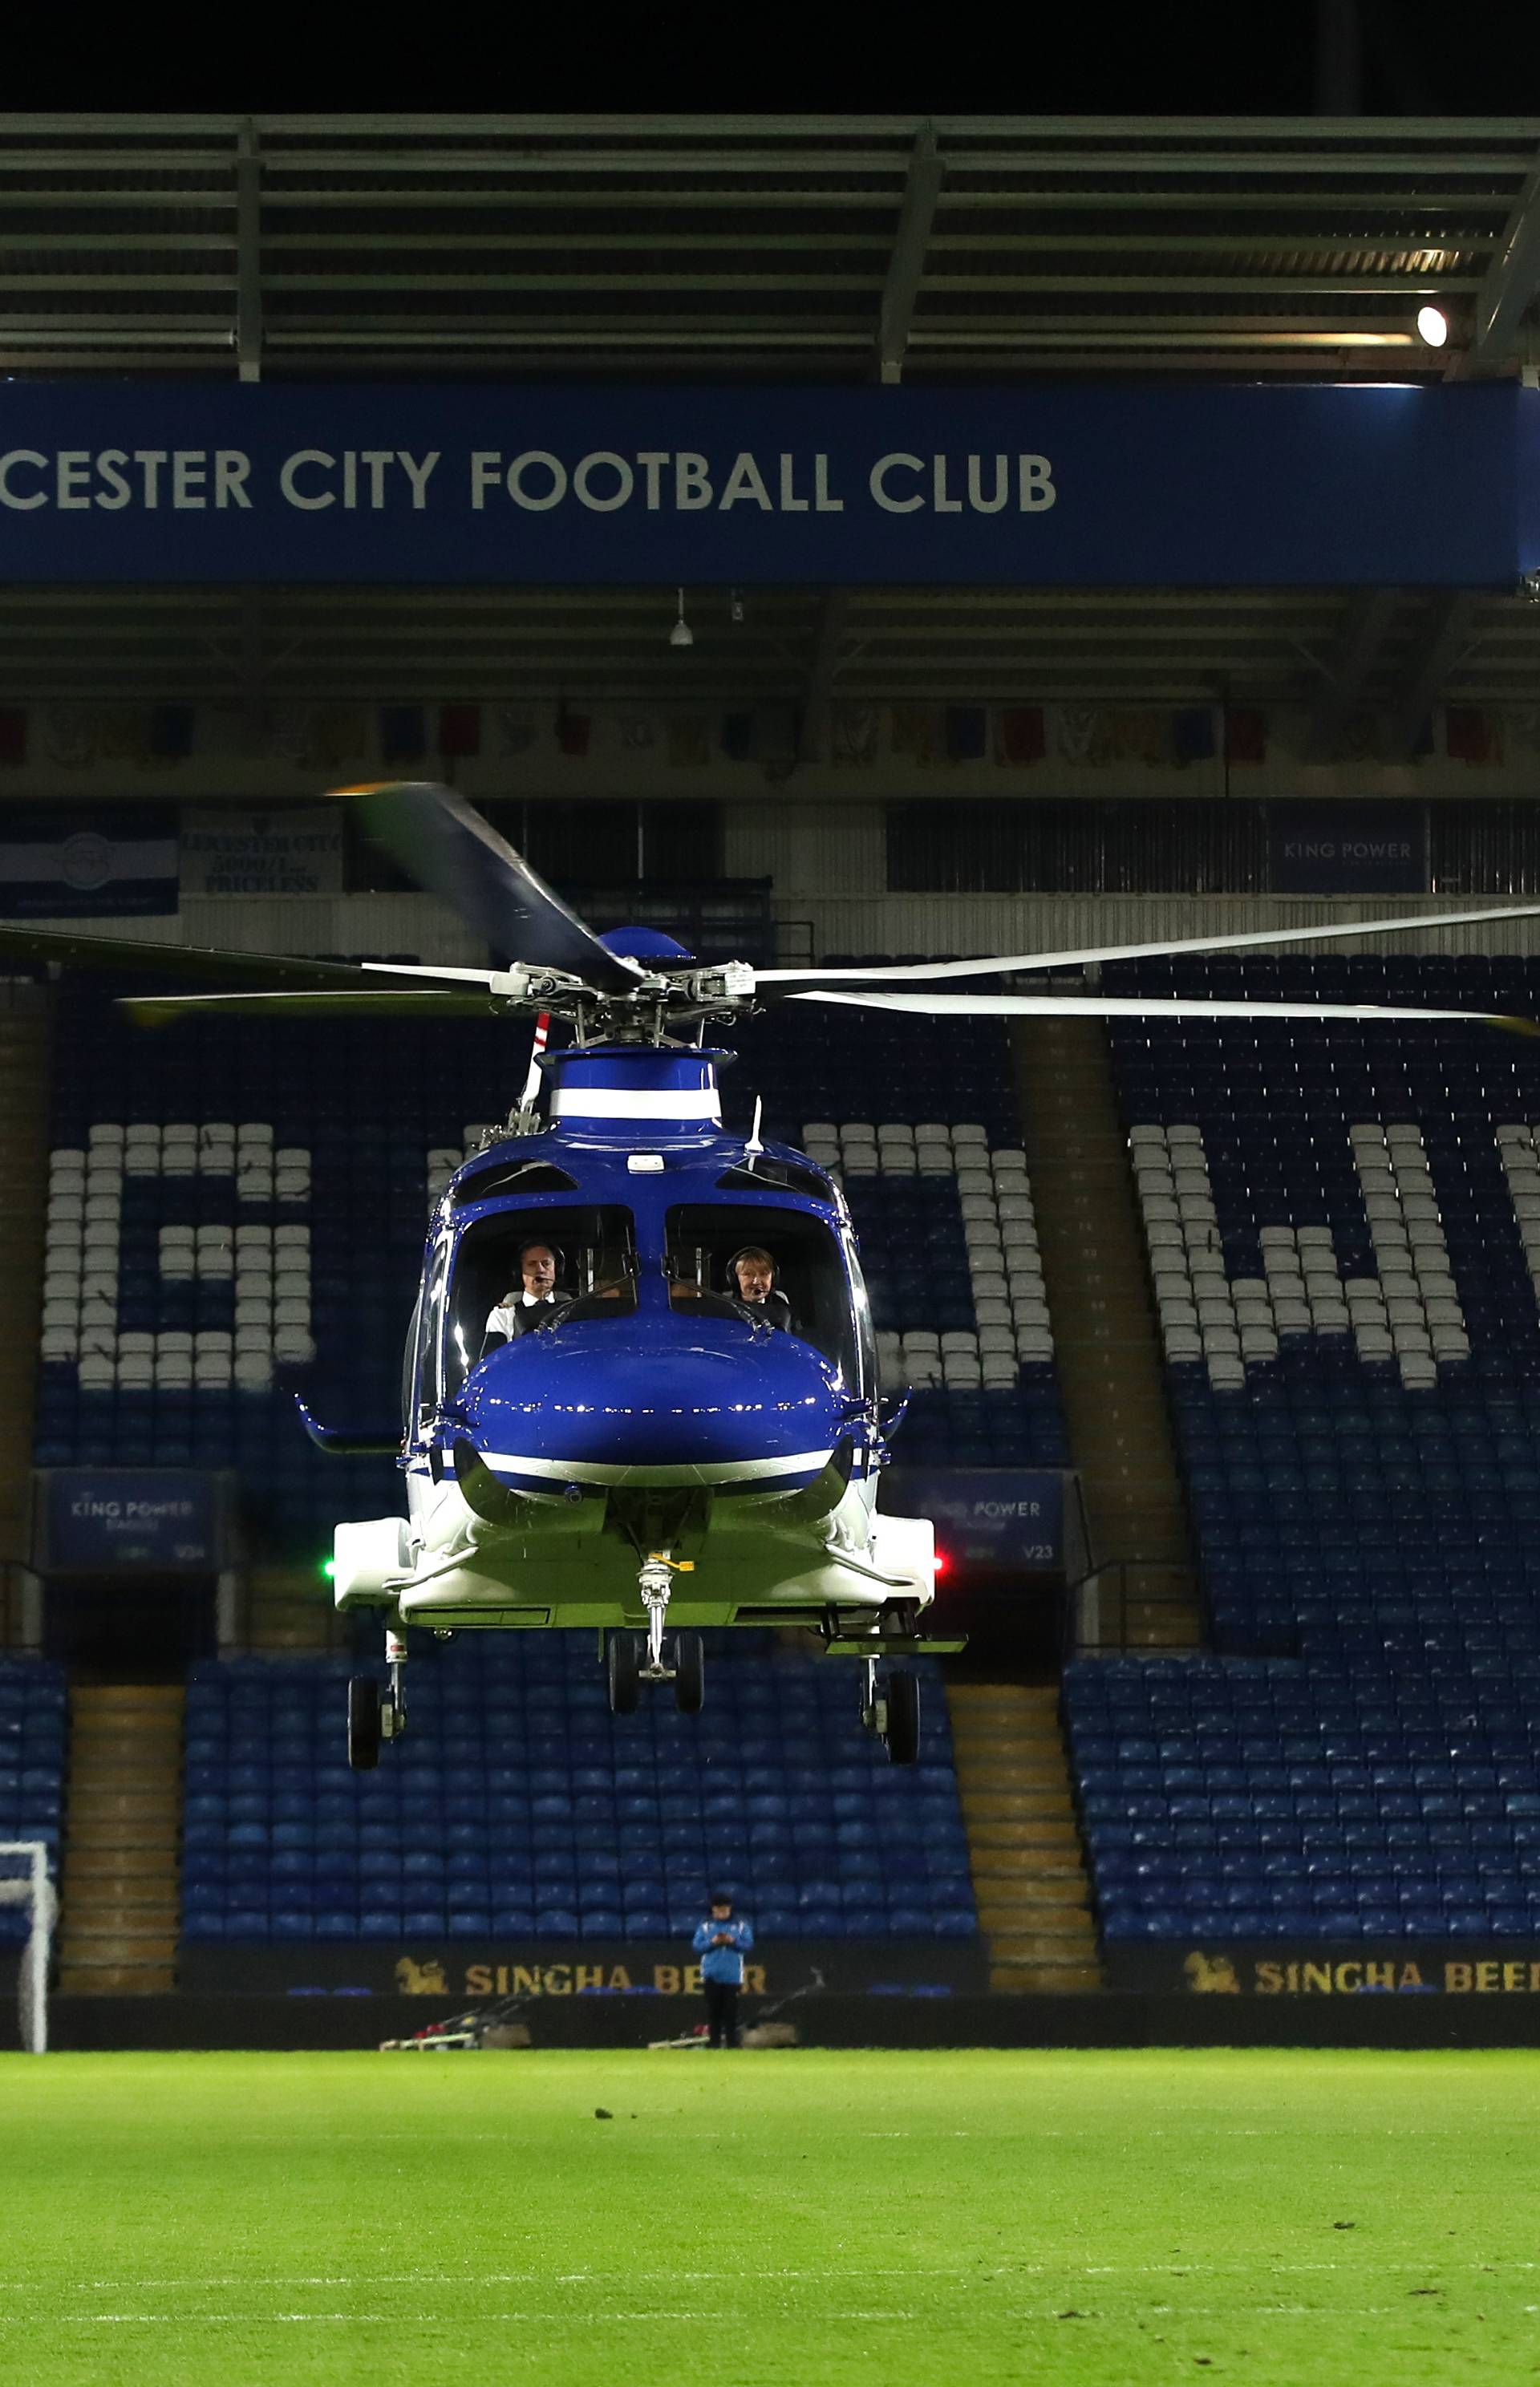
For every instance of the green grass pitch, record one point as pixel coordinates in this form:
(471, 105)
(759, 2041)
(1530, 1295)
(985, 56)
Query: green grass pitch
(770, 2219)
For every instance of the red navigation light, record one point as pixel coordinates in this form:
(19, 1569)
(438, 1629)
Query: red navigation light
(942, 1562)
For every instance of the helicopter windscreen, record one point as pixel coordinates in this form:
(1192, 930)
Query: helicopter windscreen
(826, 1304)
(594, 1275)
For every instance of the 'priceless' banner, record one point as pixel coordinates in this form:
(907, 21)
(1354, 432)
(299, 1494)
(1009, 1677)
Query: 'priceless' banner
(1134, 487)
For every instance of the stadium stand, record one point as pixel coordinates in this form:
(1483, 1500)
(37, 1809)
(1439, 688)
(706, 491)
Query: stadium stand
(517, 1804)
(257, 1207)
(32, 1767)
(1344, 1228)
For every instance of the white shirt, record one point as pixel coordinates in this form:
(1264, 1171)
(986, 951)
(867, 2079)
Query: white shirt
(501, 1320)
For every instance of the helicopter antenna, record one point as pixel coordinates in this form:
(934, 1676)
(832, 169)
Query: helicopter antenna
(525, 1118)
(756, 1145)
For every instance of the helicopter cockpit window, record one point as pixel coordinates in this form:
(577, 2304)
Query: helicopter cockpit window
(794, 1257)
(535, 1271)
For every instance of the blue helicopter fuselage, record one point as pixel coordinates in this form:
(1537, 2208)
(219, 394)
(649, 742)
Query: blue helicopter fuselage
(657, 1408)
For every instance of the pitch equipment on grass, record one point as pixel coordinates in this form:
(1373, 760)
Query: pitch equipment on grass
(658, 1456)
(499, 2024)
(24, 1881)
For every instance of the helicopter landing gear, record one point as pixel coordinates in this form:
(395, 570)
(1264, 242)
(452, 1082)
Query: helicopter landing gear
(375, 1716)
(676, 1657)
(890, 1710)
(655, 1582)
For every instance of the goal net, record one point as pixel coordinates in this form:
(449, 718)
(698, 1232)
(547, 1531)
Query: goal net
(27, 1892)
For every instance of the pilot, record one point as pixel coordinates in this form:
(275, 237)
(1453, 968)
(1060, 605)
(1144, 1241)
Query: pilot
(535, 1301)
(751, 1280)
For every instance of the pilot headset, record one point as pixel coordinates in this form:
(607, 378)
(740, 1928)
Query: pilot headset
(732, 1268)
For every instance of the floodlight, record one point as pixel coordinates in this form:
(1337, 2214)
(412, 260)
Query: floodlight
(1432, 326)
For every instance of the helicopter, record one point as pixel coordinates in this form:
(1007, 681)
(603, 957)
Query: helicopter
(659, 1454)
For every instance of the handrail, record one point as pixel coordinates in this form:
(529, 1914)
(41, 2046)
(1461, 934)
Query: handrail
(1095, 1626)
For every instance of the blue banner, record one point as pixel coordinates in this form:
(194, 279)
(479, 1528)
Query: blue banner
(1007, 1518)
(97, 1520)
(1345, 847)
(62, 862)
(135, 481)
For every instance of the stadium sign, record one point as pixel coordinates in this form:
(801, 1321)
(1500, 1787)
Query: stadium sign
(111, 1519)
(1138, 486)
(1289, 1969)
(1009, 1519)
(554, 1968)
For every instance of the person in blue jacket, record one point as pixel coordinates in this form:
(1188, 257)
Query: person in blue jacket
(722, 1942)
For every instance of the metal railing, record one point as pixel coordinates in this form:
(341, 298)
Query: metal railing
(1131, 1606)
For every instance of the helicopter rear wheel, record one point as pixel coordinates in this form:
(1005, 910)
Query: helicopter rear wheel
(364, 1724)
(623, 1671)
(690, 1674)
(901, 1734)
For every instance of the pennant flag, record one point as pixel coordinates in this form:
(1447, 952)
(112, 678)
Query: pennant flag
(1245, 735)
(459, 729)
(68, 863)
(738, 736)
(687, 742)
(574, 730)
(919, 732)
(1473, 736)
(1194, 735)
(13, 734)
(123, 734)
(69, 735)
(775, 748)
(333, 734)
(1023, 737)
(1143, 735)
(967, 733)
(403, 733)
(171, 732)
(1083, 733)
(515, 730)
(853, 731)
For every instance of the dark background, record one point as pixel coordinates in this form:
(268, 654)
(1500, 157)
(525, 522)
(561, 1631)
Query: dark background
(1377, 58)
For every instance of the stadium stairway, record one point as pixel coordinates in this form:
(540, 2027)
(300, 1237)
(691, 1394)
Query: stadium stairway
(1029, 1881)
(119, 1894)
(1106, 1336)
(289, 1611)
(25, 1052)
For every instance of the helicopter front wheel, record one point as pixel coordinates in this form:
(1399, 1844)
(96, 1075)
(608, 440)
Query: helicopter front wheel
(689, 1673)
(623, 1671)
(902, 1733)
(890, 1710)
(364, 1721)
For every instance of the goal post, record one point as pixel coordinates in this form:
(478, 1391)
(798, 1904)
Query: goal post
(24, 1882)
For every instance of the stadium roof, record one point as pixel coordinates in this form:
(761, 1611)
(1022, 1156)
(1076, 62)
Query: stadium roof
(808, 247)
(813, 249)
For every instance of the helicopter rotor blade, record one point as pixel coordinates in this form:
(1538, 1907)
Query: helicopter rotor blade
(359, 1002)
(82, 951)
(448, 848)
(1140, 1006)
(1084, 956)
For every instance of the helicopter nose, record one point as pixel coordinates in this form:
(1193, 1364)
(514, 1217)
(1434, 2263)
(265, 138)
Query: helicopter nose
(715, 1404)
